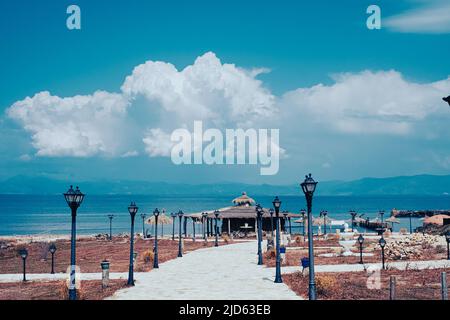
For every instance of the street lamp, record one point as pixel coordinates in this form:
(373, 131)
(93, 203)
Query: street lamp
(174, 216)
(308, 188)
(360, 241)
(410, 222)
(155, 259)
(24, 254)
(285, 214)
(180, 251)
(74, 198)
(132, 209)
(259, 214)
(447, 237)
(277, 204)
(324, 215)
(381, 213)
(216, 214)
(353, 214)
(303, 213)
(271, 221)
(143, 216)
(52, 250)
(111, 217)
(204, 221)
(382, 243)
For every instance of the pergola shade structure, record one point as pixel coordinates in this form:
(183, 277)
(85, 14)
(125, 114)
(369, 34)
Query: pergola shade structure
(233, 218)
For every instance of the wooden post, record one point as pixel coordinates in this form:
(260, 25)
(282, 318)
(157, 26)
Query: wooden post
(444, 288)
(392, 285)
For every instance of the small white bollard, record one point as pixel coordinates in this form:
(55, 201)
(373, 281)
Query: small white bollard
(105, 273)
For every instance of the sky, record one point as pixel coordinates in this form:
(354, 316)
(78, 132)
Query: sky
(101, 102)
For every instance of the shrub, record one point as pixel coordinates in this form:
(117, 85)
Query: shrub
(440, 249)
(148, 256)
(226, 239)
(64, 291)
(270, 254)
(326, 284)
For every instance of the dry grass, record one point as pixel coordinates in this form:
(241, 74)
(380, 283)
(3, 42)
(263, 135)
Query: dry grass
(57, 290)
(90, 253)
(411, 285)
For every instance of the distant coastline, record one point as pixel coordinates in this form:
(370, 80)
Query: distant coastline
(419, 185)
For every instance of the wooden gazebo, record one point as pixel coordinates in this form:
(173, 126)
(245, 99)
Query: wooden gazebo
(243, 213)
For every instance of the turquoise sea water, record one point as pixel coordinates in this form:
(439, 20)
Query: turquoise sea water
(49, 214)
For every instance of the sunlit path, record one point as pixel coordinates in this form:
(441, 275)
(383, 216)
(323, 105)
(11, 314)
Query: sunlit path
(226, 272)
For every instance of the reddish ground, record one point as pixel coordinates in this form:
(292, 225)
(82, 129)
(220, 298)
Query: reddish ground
(90, 253)
(411, 285)
(57, 290)
(293, 256)
(297, 241)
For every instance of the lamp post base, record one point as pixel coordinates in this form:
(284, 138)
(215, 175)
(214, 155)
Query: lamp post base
(278, 280)
(312, 291)
(72, 294)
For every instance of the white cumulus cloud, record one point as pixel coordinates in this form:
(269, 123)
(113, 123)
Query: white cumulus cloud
(157, 98)
(207, 90)
(78, 126)
(369, 102)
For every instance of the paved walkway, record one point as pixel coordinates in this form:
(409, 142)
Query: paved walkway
(226, 272)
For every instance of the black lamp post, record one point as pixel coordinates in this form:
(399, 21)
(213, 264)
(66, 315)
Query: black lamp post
(382, 243)
(24, 254)
(143, 216)
(111, 217)
(361, 241)
(447, 237)
(303, 213)
(180, 251)
(285, 214)
(259, 214)
(308, 188)
(324, 215)
(204, 221)
(174, 216)
(52, 250)
(271, 221)
(132, 209)
(216, 215)
(74, 198)
(277, 204)
(353, 214)
(193, 229)
(155, 259)
(381, 213)
(410, 223)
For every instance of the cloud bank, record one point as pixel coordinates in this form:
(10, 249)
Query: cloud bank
(222, 96)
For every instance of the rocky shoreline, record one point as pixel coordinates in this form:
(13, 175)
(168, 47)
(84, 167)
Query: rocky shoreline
(418, 213)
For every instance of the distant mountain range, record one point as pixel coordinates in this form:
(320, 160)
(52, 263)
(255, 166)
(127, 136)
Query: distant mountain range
(405, 185)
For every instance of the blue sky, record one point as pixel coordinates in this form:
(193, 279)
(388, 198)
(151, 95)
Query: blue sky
(302, 43)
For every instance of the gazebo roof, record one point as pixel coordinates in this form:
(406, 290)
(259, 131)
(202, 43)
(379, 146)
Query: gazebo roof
(244, 199)
(243, 209)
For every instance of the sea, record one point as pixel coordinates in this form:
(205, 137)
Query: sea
(50, 215)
